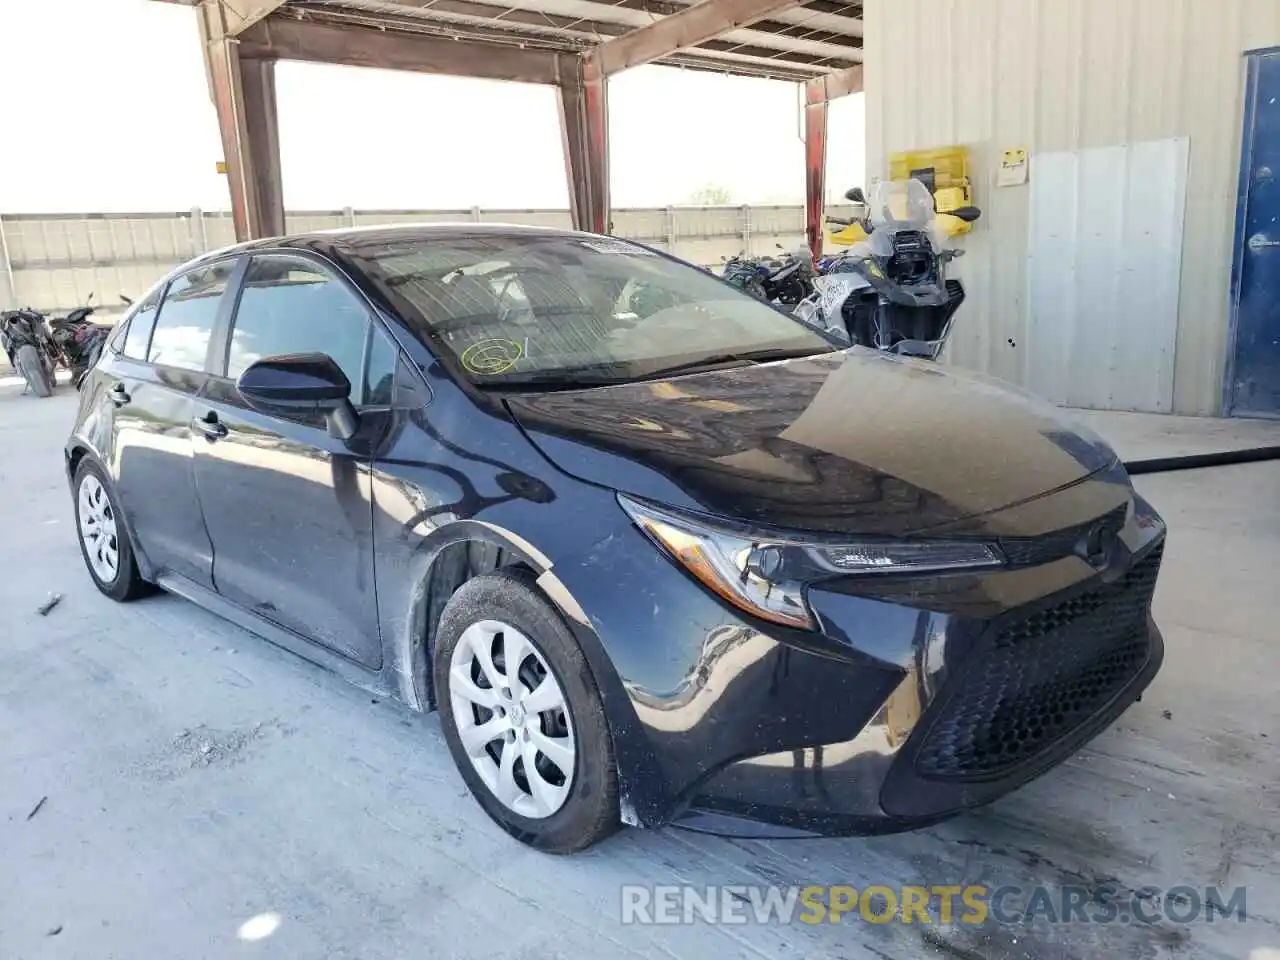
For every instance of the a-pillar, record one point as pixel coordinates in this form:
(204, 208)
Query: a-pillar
(584, 124)
(244, 94)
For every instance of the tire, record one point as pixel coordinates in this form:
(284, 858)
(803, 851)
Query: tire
(123, 583)
(493, 612)
(28, 363)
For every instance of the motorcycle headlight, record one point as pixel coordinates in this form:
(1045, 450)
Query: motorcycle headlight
(766, 575)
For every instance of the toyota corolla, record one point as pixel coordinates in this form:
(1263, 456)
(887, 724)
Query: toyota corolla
(654, 550)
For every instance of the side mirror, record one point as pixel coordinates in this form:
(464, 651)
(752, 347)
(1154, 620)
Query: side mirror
(967, 214)
(298, 385)
(855, 195)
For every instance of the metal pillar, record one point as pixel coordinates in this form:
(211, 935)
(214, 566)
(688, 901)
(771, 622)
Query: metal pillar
(243, 93)
(817, 93)
(815, 171)
(258, 83)
(583, 97)
(8, 295)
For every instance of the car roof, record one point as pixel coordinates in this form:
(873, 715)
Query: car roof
(351, 239)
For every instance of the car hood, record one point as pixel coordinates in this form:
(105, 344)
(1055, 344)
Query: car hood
(849, 442)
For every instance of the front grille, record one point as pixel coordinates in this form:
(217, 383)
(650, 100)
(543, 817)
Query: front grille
(1031, 551)
(1041, 679)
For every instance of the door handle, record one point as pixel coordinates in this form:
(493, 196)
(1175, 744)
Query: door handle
(1259, 242)
(119, 395)
(210, 426)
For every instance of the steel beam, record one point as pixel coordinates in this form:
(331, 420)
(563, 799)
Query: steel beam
(240, 15)
(283, 39)
(817, 93)
(222, 63)
(815, 172)
(704, 20)
(583, 97)
(8, 296)
(244, 96)
(258, 86)
(829, 86)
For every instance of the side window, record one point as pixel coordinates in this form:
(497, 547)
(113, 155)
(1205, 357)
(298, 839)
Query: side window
(290, 305)
(115, 339)
(140, 323)
(380, 370)
(187, 315)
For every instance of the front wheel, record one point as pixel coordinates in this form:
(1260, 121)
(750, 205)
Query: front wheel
(522, 715)
(32, 369)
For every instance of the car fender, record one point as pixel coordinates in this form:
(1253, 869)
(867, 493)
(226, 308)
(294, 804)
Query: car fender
(407, 649)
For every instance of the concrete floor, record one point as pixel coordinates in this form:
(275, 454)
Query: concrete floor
(197, 777)
(1146, 436)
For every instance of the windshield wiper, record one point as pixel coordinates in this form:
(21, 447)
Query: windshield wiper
(552, 381)
(765, 355)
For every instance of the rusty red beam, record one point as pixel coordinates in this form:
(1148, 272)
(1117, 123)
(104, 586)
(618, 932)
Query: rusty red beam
(704, 20)
(818, 92)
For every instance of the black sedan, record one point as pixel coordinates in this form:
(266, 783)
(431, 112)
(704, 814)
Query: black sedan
(655, 551)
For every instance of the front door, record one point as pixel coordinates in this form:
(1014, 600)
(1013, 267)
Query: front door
(287, 506)
(1254, 386)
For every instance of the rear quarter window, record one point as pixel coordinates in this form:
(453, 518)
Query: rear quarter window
(138, 326)
(182, 329)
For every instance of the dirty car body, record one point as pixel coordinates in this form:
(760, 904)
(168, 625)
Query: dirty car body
(945, 589)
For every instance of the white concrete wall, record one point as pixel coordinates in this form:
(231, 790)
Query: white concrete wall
(1069, 75)
(54, 262)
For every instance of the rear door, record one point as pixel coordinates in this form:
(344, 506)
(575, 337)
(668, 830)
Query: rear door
(288, 507)
(150, 388)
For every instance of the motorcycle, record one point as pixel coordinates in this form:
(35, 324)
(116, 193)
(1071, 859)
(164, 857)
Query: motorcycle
(890, 291)
(786, 279)
(79, 340)
(846, 232)
(30, 348)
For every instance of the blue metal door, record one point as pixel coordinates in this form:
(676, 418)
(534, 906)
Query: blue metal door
(1253, 387)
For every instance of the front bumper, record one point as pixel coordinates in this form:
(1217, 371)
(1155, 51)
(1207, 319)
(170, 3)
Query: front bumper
(918, 697)
(985, 704)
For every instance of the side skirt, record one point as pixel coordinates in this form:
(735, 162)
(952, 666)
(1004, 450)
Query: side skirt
(295, 643)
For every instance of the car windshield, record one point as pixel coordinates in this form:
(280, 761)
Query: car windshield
(565, 310)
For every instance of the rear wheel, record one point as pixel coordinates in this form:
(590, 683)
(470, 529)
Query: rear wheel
(28, 363)
(104, 541)
(522, 715)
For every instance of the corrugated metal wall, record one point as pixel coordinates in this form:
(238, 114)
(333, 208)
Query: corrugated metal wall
(54, 262)
(1066, 75)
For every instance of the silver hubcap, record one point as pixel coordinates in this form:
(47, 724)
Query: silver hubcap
(512, 718)
(98, 529)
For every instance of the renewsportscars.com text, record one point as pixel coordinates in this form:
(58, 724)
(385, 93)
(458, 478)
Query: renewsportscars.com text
(939, 904)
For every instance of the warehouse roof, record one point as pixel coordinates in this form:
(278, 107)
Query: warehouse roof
(788, 42)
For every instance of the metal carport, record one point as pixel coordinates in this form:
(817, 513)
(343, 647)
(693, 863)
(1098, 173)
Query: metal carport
(575, 45)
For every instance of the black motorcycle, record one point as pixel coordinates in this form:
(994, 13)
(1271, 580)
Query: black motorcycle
(785, 279)
(79, 340)
(30, 348)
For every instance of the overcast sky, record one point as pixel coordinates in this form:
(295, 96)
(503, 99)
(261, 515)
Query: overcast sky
(106, 109)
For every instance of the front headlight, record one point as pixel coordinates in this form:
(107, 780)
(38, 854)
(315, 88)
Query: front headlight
(766, 576)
